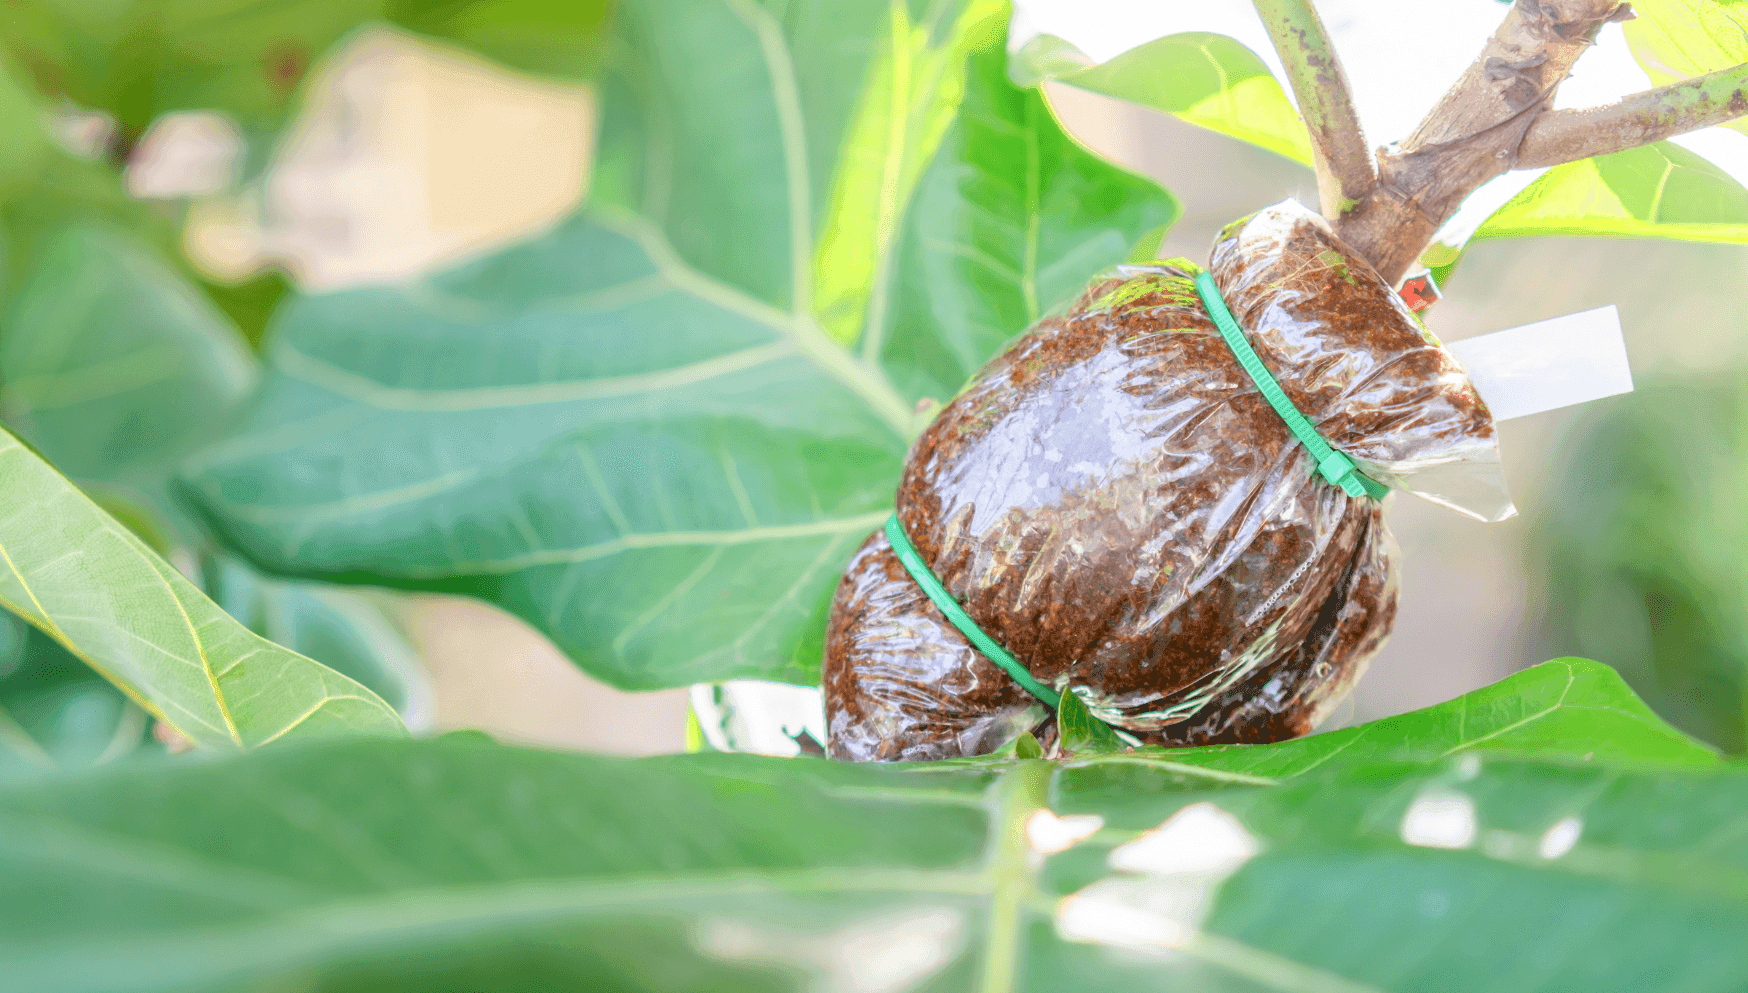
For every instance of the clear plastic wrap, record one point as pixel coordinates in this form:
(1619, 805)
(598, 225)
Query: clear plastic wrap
(1113, 500)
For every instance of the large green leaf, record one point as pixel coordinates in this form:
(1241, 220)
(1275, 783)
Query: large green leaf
(1679, 39)
(1208, 80)
(138, 59)
(1655, 191)
(77, 574)
(658, 431)
(1567, 708)
(459, 865)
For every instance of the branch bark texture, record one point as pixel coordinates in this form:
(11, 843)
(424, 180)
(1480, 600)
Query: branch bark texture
(1496, 118)
(1474, 133)
(1701, 102)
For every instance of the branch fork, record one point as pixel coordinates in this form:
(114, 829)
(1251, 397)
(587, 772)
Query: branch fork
(1496, 118)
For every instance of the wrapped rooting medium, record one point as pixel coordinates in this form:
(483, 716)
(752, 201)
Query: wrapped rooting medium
(1114, 501)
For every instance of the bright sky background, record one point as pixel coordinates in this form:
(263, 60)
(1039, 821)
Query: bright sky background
(1400, 56)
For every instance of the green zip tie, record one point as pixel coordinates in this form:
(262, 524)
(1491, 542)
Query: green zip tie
(925, 578)
(1335, 467)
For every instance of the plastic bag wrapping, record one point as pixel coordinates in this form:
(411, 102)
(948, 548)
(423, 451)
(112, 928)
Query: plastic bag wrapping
(1114, 501)
(1322, 319)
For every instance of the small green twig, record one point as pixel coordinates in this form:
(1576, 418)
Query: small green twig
(1345, 173)
(1559, 136)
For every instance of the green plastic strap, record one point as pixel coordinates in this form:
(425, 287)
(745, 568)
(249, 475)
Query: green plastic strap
(925, 578)
(1334, 466)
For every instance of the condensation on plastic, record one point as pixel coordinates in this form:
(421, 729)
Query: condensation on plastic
(1113, 500)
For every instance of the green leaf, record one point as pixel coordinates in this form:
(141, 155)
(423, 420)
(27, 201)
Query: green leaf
(55, 713)
(557, 38)
(115, 365)
(87, 581)
(991, 242)
(138, 59)
(1208, 80)
(643, 431)
(344, 629)
(1655, 191)
(455, 864)
(1080, 732)
(1675, 40)
(1570, 709)
(44, 190)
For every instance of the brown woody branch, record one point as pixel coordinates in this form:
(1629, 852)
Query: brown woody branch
(1496, 118)
(1475, 131)
(1344, 165)
(1558, 136)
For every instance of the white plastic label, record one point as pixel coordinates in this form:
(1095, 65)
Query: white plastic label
(1548, 364)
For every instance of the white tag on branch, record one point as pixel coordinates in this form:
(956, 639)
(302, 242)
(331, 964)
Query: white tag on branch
(1548, 364)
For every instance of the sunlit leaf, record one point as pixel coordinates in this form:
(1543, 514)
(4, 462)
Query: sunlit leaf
(87, 581)
(345, 629)
(658, 431)
(455, 864)
(1655, 191)
(1209, 80)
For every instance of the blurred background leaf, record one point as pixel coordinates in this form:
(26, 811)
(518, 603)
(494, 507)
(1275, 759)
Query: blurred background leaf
(1646, 572)
(56, 714)
(643, 432)
(138, 59)
(114, 363)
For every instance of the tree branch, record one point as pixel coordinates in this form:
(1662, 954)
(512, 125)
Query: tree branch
(1345, 175)
(1558, 136)
(1475, 131)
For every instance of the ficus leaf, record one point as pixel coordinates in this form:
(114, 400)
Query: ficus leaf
(460, 864)
(1655, 191)
(658, 431)
(89, 583)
